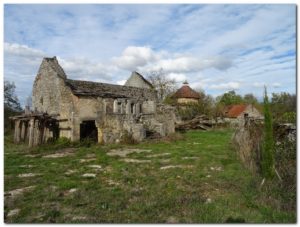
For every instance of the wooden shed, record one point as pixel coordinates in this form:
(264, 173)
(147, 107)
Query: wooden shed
(35, 128)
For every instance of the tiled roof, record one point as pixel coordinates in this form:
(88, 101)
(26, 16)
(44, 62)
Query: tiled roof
(89, 88)
(234, 111)
(186, 92)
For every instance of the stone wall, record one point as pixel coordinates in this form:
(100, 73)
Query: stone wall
(136, 80)
(187, 100)
(47, 90)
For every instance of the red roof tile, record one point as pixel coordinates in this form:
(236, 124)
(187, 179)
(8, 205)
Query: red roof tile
(186, 92)
(235, 110)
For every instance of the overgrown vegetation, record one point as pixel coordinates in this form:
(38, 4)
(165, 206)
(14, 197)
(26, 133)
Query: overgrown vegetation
(267, 161)
(207, 185)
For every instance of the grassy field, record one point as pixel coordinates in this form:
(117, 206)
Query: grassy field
(195, 179)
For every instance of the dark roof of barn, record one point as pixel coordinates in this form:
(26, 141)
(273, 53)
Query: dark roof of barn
(89, 88)
(186, 92)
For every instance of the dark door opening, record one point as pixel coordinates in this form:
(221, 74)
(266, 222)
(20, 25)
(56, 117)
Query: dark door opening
(88, 130)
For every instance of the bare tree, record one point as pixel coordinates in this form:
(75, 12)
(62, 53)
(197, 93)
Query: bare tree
(29, 101)
(161, 83)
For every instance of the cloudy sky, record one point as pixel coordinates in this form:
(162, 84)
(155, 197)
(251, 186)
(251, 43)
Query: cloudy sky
(215, 47)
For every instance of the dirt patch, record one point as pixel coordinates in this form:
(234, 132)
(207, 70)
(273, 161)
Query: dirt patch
(218, 168)
(129, 160)
(89, 175)
(108, 169)
(124, 152)
(18, 191)
(13, 212)
(87, 160)
(172, 220)
(112, 182)
(32, 155)
(90, 156)
(95, 166)
(185, 158)
(26, 166)
(177, 166)
(165, 160)
(24, 175)
(158, 155)
(79, 218)
(71, 191)
(70, 171)
(61, 153)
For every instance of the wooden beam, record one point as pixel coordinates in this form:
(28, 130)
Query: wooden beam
(31, 132)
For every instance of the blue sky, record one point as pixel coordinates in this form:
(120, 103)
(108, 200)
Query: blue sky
(216, 47)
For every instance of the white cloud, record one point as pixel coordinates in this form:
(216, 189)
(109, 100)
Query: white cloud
(134, 57)
(121, 82)
(258, 85)
(84, 69)
(145, 59)
(187, 64)
(178, 77)
(22, 50)
(226, 86)
(276, 85)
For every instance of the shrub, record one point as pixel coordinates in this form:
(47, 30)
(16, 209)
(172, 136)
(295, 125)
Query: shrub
(127, 138)
(268, 170)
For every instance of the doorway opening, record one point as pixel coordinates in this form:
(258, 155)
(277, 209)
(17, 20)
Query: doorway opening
(88, 130)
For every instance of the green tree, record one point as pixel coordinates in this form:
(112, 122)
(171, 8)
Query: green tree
(268, 169)
(230, 98)
(10, 99)
(250, 99)
(283, 104)
(206, 103)
(11, 103)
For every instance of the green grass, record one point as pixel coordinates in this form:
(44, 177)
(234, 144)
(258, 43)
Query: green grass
(143, 193)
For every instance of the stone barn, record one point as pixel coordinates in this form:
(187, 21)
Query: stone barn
(237, 113)
(100, 111)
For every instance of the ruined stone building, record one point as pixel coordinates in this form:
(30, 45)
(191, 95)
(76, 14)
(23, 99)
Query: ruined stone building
(101, 111)
(237, 113)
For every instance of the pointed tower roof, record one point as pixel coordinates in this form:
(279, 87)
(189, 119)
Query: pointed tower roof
(186, 92)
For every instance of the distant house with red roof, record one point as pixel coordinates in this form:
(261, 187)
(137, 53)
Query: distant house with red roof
(186, 94)
(241, 111)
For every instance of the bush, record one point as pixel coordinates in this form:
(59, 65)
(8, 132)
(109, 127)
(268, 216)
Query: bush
(189, 111)
(127, 138)
(268, 145)
(288, 117)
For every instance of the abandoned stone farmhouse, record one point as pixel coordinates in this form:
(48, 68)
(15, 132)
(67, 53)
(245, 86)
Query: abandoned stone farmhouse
(99, 111)
(237, 113)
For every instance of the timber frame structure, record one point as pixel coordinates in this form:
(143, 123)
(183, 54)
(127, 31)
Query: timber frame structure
(35, 128)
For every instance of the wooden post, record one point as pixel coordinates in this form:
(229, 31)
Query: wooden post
(27, 131)
(17, 131)
(23, 130)
(44, 137)
(36, 133)
(31, 132)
